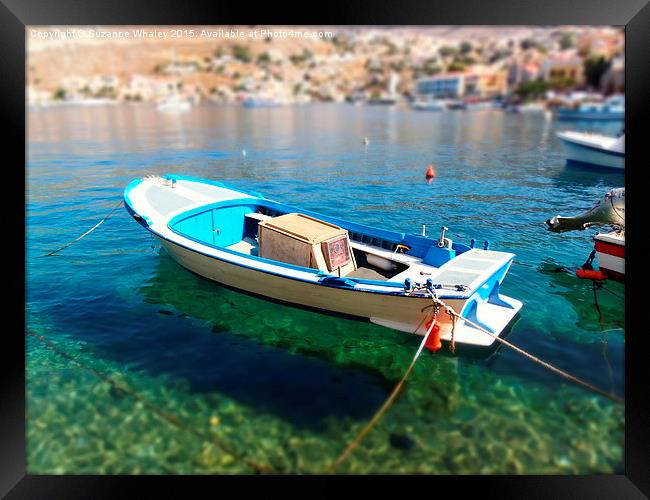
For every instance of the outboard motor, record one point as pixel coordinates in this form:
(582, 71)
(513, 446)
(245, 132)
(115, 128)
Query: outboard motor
(610, 210)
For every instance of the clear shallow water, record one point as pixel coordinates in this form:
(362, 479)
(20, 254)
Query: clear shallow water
(289, 388)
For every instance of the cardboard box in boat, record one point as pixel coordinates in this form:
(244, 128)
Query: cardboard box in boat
(304, 241)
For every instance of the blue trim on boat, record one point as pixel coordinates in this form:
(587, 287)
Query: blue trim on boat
(138, 218)
(210, 206)
(129, 188)
(141, 219)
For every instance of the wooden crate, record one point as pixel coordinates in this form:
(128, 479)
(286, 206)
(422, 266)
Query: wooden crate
(302, 240)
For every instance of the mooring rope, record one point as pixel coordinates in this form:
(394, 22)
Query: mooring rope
(172, 419)
(361, 435)
(595, 286)
(437, 304)
(87, 232)
(545, 364)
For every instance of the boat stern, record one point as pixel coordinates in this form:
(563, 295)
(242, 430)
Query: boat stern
(487, 313)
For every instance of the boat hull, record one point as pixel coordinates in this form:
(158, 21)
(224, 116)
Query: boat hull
(610, 252)
(593, 155)
(405, 313)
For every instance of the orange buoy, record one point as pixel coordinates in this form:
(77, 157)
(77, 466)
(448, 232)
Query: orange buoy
(590, 274)
(430, 172)
(433, 342)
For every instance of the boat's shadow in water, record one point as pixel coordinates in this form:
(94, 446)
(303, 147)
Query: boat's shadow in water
(576, 174)
(298, 365)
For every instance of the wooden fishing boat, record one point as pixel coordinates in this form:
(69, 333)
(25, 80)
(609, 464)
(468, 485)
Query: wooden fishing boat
(281, 253)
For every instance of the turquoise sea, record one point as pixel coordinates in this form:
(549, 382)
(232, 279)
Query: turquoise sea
(136, 366)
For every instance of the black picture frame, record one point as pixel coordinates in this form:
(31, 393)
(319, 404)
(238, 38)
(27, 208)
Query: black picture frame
(15, 15)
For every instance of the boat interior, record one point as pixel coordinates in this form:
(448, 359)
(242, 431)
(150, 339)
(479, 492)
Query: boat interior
(376, 254)
(236, 228)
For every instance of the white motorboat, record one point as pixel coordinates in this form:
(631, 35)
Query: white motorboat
(594, 149)
(429, 105)
(481, 105)
(175, 103)
(531, 107)
(263, 102)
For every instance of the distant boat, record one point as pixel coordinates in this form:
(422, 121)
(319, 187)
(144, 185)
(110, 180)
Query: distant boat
(594, 149)
(92, 101)
(175, 103)
(456, 104)
(381, 101)
(270, 249)
(356, 100)
(429, 105)
(611, 109)
(262, 102)
(479, 105)
(531, 107)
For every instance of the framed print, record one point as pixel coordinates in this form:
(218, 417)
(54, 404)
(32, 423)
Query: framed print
(457, 175)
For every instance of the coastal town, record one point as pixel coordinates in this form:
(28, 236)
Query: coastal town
(462, 66)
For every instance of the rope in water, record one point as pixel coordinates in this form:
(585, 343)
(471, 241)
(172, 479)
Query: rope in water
(172, 419)
(357, 440)
(527, 355)
(87, 232)
(437, 304)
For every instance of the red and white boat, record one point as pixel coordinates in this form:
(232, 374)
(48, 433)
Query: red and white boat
(610, 253)
(609, 248)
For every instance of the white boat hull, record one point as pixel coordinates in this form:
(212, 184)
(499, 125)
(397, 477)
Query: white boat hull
(404, 313)
(578, 148)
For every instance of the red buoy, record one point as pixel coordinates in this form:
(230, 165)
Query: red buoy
(590, 274)
(433, 342)
(430, 172)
